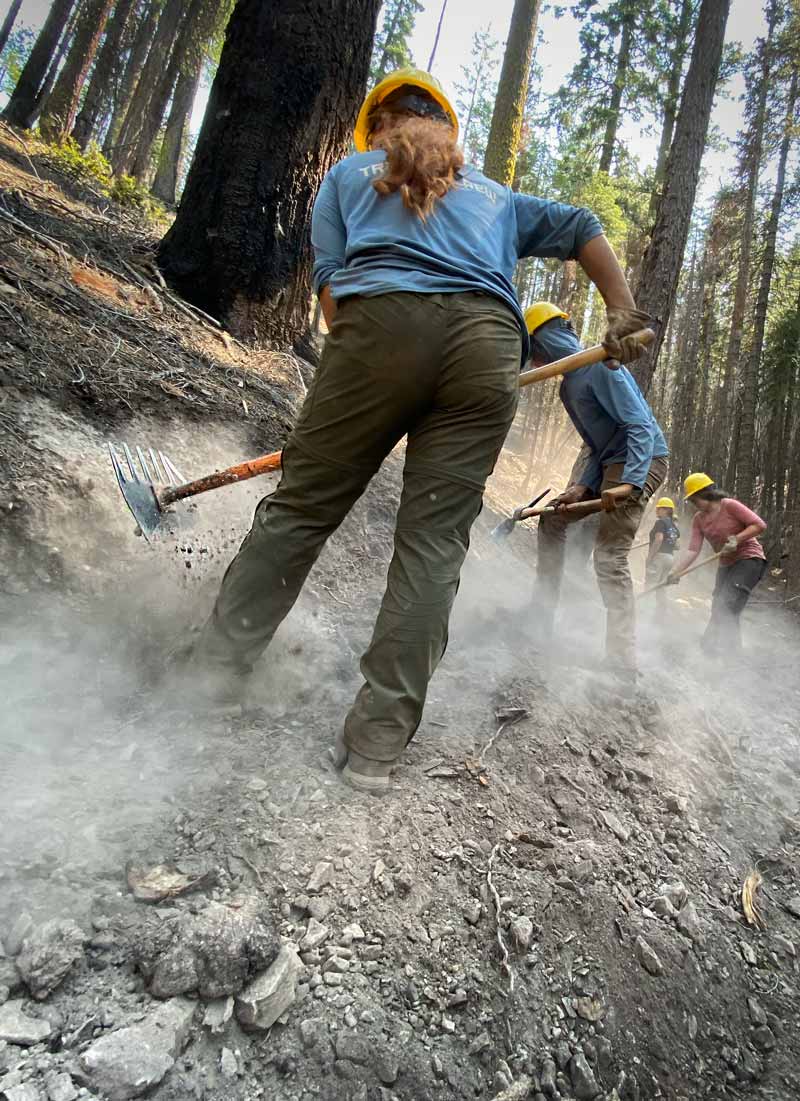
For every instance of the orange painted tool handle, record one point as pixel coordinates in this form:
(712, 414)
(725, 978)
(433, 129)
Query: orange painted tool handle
(239, 473)
(585, 358)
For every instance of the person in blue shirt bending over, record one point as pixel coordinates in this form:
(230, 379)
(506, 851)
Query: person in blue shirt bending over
(414, 259)
(626, 462)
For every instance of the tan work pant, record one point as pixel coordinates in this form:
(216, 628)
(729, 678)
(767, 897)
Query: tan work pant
(443, 370)
(615, 534)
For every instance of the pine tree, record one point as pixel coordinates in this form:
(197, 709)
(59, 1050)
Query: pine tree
(290, 81)
(23, 105)
(58, 115)
(504, 135)
(99, 93)
(8, 23)
(391, 50)
(662, 261)
(476, 94)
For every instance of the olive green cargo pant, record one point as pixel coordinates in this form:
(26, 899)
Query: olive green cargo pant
(442, 369)
(615, 534)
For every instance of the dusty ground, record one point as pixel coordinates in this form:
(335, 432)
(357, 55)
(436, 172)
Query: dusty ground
(600, 841)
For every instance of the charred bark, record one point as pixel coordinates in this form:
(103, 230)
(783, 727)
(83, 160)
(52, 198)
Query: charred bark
(149, 89)
(58, 115)
(290, 81)
(142, 41)
(8, 23)
(99, 94)
(22, 107)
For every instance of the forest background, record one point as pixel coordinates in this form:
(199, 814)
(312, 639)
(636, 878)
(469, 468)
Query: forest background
(606, 91)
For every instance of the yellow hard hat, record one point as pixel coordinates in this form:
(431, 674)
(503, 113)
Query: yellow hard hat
(541, 312)
(665, 502)
(417, 78)
(695, 482)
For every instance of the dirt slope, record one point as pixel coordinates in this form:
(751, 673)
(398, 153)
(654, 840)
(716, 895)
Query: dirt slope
(549, 902)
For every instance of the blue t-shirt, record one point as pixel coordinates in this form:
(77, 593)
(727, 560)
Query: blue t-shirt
(606, 407)
(369, 244)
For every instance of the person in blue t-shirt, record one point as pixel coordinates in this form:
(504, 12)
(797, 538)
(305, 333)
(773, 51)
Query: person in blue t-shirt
(625, 463)
(664, 538)
(414, 255)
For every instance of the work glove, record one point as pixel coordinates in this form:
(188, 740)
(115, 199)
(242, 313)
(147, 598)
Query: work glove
(673, 578)
(731, 545)
(571, 495)
(621, 323)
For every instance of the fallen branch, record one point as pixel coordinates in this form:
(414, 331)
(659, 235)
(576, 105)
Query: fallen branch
(42, 238)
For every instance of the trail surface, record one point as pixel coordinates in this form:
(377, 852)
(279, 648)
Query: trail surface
(548, 904)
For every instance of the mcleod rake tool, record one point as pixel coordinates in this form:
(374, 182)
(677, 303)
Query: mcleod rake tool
(150, 483)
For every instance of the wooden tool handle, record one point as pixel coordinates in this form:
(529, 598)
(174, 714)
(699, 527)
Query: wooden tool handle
(579, 508)
(683, 573)
(239, 473)
(596, 354)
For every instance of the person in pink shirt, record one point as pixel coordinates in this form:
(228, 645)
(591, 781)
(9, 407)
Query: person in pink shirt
(732, 529)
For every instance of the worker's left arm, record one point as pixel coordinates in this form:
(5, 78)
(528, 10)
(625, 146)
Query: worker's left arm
(573, 233)
(329, 241)
(616, 393)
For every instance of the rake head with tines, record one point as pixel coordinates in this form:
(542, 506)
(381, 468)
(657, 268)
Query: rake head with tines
(150, 483)
(143, 486)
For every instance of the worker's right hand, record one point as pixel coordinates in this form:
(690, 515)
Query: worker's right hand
(571, 495)
(673, 578)
(622, 322)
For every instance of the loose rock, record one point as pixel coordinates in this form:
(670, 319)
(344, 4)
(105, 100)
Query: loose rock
(228, 1064)
(522, 932)
(218, 1013)
(316, 934)
(18, 1028)
(60, 1087)
(472, 912)
(356, 1049)
(128, 1062)
(25, 1092)
(48, 953)
(689, 923)
(215, 952)
(613, 823)
(321, 876)
(267, 997)
(17, 934)
(647, 957)
(584, 1083)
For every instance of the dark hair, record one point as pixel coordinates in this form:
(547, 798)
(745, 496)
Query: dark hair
(710, 493)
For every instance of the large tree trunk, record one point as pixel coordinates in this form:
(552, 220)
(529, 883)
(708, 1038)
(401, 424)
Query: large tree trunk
(662, 262)
(615, 106)
(745, 480)
(196, 28)
(8, 23)
(752, 153)
(172, 147)
(99, 93)
(142, 41)
(21, 108)
(156, 70)
(509, 106)
(289, 84)
(58, 115)
(679, 47)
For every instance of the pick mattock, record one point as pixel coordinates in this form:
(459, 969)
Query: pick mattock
(148, 493)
